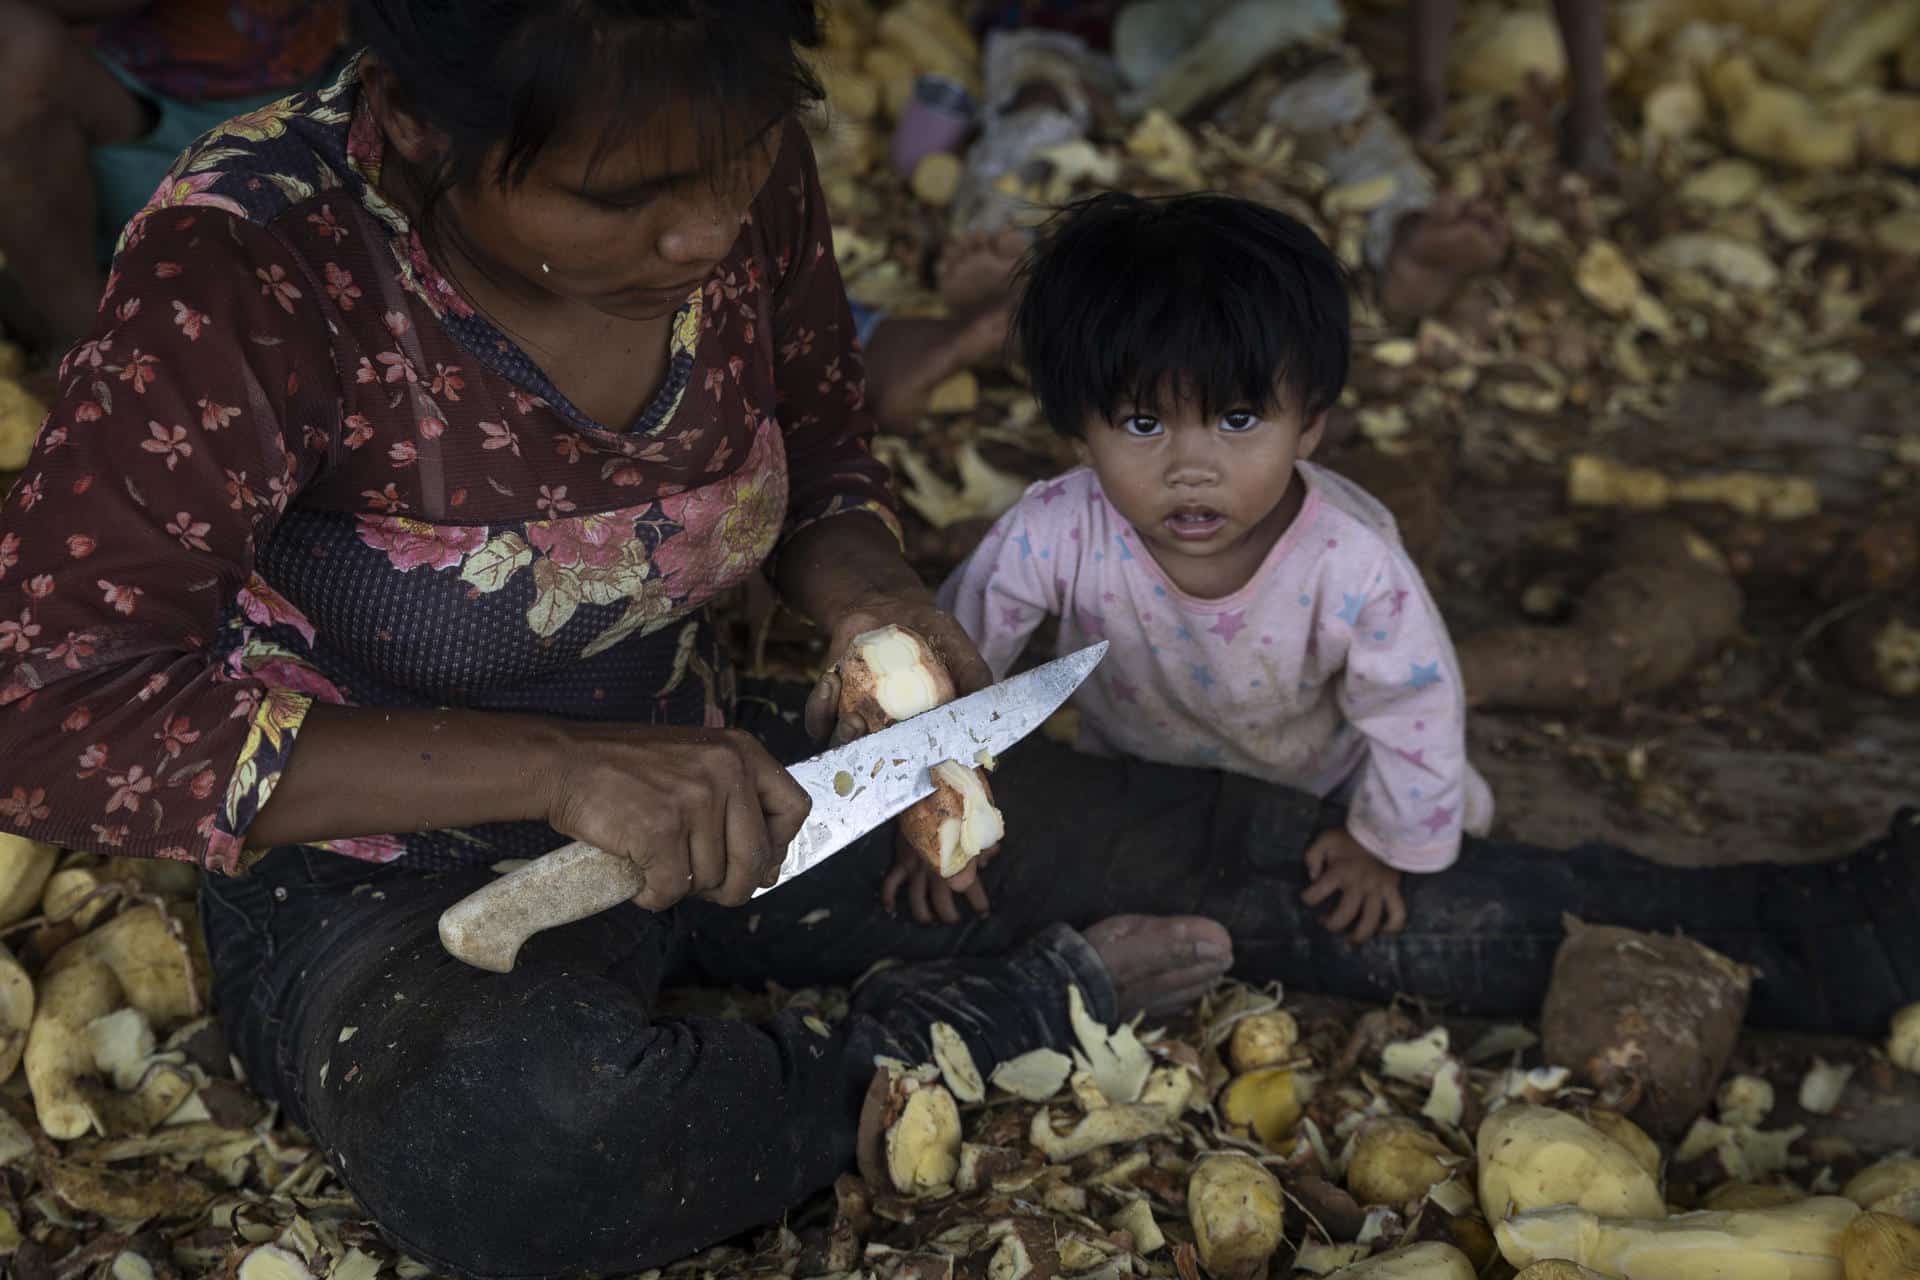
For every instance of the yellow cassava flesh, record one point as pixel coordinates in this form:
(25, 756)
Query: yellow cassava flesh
(1234, 1204)
(1394, 1160)
(1262, 1040)
(1264, 1103)
(24, 867)
(1903, 1039)
(1879, 1246)
(1533, 1157)
(1882, 1181)
(1793, 1242)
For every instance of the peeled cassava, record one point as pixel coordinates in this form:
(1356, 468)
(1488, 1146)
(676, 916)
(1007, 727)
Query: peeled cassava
(891, 675)
(1879, 1183)
(1903, 1039)
(1499, 55)
(1773, 122)
(957, 823)
(1265, 1103)
(1629, 1135)
(1394, 1161)
(1532, 1157)
(1234, 1202)
(923, 1137)
(16, 1012)
(1262, 1040)
(135, 959)
(1879, 1246)
(25, 866)
(1794, 1242)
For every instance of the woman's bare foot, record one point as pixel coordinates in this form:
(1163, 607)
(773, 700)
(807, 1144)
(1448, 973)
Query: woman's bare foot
(1436, 251)
(1161, 964)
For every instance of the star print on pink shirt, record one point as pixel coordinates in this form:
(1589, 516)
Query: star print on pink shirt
(1331, 671)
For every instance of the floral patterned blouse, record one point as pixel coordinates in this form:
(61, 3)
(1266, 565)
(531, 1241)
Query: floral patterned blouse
(293, 464)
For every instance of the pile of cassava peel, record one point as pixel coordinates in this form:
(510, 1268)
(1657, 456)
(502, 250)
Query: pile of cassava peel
(1635, 1133)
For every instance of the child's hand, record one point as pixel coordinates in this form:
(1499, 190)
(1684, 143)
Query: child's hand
(931, 900)
(1369, 889)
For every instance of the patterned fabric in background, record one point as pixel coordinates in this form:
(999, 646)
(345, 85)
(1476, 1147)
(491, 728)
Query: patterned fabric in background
(206, 50)
(293, 464)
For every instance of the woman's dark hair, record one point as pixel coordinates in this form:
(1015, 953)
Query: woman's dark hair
(1133, 302)
(517, 75)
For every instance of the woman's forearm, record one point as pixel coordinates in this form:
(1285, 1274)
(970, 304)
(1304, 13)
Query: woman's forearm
(833, 567)
(365, 771)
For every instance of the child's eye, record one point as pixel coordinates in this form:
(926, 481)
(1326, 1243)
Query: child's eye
(1140, 424)
(1239, 420)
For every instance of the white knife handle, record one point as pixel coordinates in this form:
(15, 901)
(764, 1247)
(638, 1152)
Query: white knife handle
(488, 926)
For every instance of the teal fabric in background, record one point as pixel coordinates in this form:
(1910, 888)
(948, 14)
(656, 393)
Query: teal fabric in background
(125, 175)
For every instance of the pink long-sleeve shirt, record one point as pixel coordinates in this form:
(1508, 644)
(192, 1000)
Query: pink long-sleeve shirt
(1330, 671)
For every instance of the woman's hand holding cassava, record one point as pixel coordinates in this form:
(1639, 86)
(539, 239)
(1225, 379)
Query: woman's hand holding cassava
(916, 612)
(930, 899)
(703, 813)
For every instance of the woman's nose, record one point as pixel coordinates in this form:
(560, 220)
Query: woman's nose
(700, 235)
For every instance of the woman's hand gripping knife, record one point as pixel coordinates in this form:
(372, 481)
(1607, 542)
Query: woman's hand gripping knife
(1368, 890)
(893, 673)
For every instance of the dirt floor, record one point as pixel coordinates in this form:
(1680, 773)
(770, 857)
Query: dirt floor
(1770, 753)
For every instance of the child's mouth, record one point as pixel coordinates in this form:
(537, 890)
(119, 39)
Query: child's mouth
(1195, 524)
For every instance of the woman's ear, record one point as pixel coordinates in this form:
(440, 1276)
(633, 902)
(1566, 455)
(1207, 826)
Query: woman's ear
(418, 143)
(1310, 436)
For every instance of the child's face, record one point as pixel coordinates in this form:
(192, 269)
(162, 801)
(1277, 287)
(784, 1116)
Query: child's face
(1208, 495)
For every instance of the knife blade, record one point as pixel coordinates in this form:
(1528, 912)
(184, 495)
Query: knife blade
(854, 788)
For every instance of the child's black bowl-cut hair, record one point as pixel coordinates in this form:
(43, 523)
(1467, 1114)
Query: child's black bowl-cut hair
(1130, 302)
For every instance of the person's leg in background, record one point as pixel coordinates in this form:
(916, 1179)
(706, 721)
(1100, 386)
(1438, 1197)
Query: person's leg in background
(1431, 37)
(1583, 35)
(1583, 30)
(908, 356)
(59, 102)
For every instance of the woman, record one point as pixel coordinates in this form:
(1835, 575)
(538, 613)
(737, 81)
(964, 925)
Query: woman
(447, 393)
(328, 548)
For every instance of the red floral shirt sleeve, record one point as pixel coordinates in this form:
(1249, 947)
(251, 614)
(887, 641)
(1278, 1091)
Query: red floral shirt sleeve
(181, 431)
(817, 365)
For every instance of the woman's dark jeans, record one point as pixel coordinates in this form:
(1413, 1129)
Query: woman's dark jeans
(545, 1123)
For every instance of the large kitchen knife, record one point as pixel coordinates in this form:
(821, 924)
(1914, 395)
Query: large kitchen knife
(854, 789)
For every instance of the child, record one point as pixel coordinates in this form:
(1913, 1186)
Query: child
(1263, 616)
